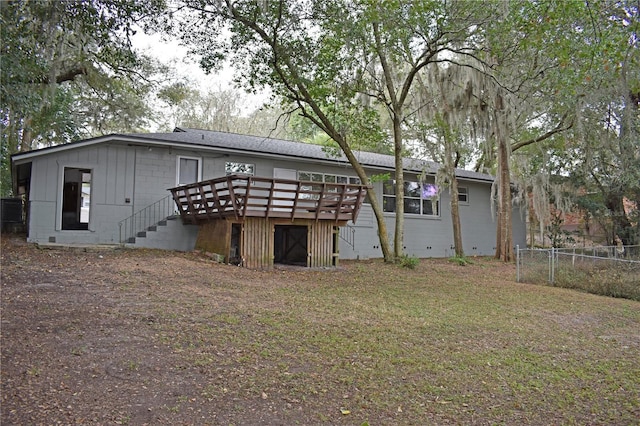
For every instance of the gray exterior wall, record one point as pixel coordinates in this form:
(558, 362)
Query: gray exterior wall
(426, 236)
(127, 178)
(112, 182)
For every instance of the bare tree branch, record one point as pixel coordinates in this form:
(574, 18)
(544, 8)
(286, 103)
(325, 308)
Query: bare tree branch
(558, 129)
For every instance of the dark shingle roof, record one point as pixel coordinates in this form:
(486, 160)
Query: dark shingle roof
(263, 145)
(208, 139)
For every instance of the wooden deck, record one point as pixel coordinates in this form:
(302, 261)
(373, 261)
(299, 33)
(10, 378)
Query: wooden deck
(241, 196)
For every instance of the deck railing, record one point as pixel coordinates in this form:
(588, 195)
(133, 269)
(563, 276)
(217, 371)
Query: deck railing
(240, 196)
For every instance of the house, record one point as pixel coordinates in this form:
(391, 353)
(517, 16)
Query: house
(250, 199)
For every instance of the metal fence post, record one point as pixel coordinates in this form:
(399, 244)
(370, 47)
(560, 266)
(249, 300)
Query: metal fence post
(552, 269)
(518, 263)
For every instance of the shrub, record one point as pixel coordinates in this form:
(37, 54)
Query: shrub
(461, 260)
(409, 262)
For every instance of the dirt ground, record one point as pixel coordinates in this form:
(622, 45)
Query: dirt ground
(124, 337)
(80, 343)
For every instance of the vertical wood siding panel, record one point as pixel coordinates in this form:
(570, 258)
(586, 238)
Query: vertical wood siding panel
(53, 172)
(311, 247)
(320, 244)
(317, 242)
(215, 237)
(44, 185)
(255, 243)
(265, 225)
(131, 173)
(246, 255)
(269, 232)
(121, 176)
(312, 255)
(259, 240)
(319, 226)
(328, 243)
(93, 156)
(112, 176)
(319, 235)
(249, 244)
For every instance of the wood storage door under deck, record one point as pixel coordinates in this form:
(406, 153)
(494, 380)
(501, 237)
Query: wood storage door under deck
(258, 242)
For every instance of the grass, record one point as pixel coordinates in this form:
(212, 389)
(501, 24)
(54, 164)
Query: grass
(597, 276)
(369, 343)
(613, 281)
(390, 343)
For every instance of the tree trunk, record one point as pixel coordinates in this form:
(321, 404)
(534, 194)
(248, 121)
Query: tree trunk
(27, 135)
(398, 240)
(622, 227)
(450, 165)
(375, 205)
(377, 210)
(455, 218)
(504, 237)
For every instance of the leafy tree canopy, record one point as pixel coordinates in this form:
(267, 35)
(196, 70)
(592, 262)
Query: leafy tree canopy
(69, 70)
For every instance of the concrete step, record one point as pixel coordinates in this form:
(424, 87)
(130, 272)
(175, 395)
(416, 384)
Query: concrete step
(173, 236)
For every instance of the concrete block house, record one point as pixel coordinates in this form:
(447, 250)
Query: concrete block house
(252, 200)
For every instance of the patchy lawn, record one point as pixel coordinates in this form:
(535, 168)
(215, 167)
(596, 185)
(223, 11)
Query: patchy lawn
(149, 337)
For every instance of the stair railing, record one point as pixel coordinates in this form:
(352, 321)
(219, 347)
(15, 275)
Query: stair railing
(348, 234)
(142, 220)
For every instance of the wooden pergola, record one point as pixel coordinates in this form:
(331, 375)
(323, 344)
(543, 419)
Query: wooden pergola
(257, 221)
(241, 196)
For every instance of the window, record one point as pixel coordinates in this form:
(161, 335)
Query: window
(463, 194)
(327, 178)
(310, 177)
(189, 170)
(232, 168)
(419, 198)
(76, 199)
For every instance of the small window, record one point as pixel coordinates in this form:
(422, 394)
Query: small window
(463, 194)
(233, 168)
(189, 170)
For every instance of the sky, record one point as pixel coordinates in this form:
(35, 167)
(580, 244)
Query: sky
(171, 52)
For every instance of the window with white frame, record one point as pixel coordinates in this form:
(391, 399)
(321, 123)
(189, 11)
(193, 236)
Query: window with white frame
(189, 170)
(419, 198)
(328, 177)
(463, 195)
(325, 178)
(235, 168)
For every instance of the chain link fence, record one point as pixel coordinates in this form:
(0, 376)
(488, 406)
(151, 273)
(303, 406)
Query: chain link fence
(606, 270)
